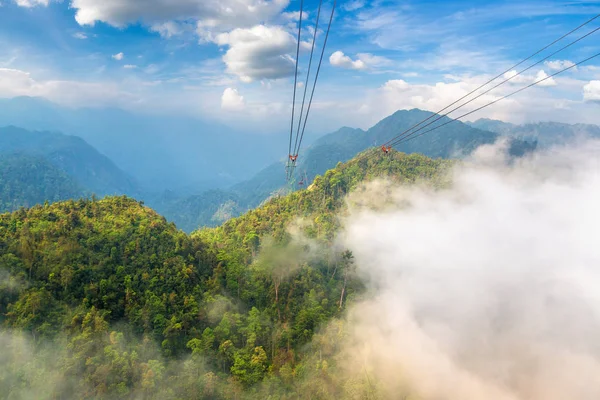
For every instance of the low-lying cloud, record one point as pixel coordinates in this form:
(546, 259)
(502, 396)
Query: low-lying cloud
(488, 290)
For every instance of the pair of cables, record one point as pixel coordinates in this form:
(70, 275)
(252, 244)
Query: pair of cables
(296, 139)
(419, 129)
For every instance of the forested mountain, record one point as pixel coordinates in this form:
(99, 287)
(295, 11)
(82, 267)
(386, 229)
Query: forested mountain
(212, 208)
(452, 141)
(27, 180)
(190, 210)
(118, 303)
(72, 155)
(544, 133)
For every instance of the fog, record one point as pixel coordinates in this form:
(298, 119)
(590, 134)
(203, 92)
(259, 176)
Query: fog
(487, 290)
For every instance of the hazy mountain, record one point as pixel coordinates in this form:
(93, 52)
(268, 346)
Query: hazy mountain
(210, 208)
(545, 133)
(72, 155)
(189, 207)
(492, 125)
(177, 153)
(451, 141)
(27, 180)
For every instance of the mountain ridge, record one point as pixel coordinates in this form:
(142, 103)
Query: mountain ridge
(73, 155)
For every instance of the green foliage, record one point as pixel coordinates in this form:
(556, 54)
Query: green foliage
(29, 180)
(143, 310)
(208, 209)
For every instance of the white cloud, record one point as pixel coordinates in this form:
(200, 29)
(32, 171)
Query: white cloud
(499, 300)
(373, 61)
(557, 65)
(168, 29)
(129, 66)
(210, 15)
(294, 15)
(528, 79)
(591, 91)
(118, 56)
(80, 35)
(232, 100)
(260, 52)
(152, 69)
(410, 74)
(15, 82)
(364, 61)
(339, 59)
(547, 82)
(32, 3)
(353, 5)
(514, 78)
(527, 106)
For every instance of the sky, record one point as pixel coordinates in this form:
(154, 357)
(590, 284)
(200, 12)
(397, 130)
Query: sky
(233, 60)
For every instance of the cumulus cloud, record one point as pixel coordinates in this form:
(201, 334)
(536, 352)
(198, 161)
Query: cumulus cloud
(363, 61)
(118, 56)
(218, 14)
(527, 106)
(373, 60)
(544, 80)
(487, 290)
(129, 66)
(400, 94)
(557, 65)
(32, 3)
(80, 35)
(339, 59)
(232, 100)
(353, 5)
(527, 78)
(168, 29)
(591, 91)
(15, 83)
(514, 78)
(260, 52)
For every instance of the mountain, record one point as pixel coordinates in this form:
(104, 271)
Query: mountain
(210, 208)
(27, 180)
(451, 141)
(545, 133)
(175, 153)
(121, 304)
(493, 125)
(70, 154)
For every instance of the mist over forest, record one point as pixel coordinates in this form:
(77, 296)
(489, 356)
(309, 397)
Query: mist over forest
(286, 200)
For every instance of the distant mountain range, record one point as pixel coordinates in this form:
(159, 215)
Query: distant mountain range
(452, 141)
(72, 155)
(78, 169)
(174, 153)
(546, 134)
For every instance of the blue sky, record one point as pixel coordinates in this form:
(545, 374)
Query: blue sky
(231, 59)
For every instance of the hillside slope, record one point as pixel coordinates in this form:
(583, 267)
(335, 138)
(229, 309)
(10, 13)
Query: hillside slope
(122, 295)
(90, 169)
(28, 180)
(452, 141)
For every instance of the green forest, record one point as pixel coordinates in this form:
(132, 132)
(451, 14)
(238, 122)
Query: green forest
(103, 298)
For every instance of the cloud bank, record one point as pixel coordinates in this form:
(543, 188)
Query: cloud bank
(488, 290)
